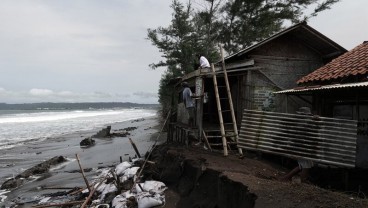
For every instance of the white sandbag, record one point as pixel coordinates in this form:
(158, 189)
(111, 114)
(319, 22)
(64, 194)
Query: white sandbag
(123, 178)
(130, 172)
(119, 169)
(103, 173)
(101, 187)
(146, 200)
(127, 194)
(120, 201)
(103, 205)
(154, 186)
(108, 188)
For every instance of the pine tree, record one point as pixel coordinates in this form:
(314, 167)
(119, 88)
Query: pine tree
(236, 24)
(246, 22)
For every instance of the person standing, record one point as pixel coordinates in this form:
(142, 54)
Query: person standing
(304, 165)
(189, 103)
(203, 62)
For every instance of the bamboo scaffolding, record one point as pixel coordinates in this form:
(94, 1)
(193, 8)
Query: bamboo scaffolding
(235, 127)
(224, 142)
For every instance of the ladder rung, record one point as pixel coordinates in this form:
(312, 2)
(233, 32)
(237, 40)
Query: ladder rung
(221, 85)
(224, 98)
(228, 135)
(220, 144)
(225, 110)
(228, 123)
(214, 136)
(214, 130)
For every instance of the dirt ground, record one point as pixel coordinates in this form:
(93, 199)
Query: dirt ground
(261, 178)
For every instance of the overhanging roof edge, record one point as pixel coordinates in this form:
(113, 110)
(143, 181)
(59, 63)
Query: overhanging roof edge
(324, 87)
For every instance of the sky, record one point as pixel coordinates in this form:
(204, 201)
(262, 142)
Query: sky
(97, 51)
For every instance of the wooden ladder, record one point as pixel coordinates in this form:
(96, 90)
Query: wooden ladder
(220, 111)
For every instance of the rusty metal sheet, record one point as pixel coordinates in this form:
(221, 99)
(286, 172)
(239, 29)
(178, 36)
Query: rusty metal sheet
(320, 139)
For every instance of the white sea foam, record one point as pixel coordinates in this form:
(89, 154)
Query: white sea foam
(15, 129)
(2, 195)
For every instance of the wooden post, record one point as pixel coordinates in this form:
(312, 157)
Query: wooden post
(235, 127)
(248, 90)
(135, 147)
(84, 176)
(206, 140)
(199, 92)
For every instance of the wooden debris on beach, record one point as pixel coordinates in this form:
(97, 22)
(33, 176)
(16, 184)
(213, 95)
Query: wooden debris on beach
(119, 186)
(87, 142)
(135, 147)
(37, 169)
(82, 172)
(106, 132)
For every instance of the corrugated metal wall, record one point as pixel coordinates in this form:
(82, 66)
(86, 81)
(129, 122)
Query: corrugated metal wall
(325, 140)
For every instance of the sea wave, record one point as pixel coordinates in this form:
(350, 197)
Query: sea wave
(17, 129)
(54, 116)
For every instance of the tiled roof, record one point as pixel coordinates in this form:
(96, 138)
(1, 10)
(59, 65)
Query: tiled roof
(351, 63)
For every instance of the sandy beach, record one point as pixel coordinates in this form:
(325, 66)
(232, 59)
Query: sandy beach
(195, 177)
(106, 152)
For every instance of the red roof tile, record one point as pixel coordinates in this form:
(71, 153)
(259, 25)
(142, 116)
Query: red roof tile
(353, 62)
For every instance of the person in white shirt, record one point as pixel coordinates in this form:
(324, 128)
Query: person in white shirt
(203, 62)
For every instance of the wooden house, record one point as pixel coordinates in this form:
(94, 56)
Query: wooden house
(254, 74)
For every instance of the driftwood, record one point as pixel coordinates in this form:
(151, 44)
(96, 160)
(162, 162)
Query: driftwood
(93, 191)
(80, 189)
(59, 187)
(135, 147)
(82, 171)
(37, 169)
(59, 205)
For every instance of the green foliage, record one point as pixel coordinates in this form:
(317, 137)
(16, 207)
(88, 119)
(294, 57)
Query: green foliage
(249, 21)
(165, 93)
(177, 42)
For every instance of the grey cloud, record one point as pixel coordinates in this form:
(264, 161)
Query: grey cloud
(145, 94)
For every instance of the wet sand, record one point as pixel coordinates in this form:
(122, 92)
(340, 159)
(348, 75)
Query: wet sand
(106, 152)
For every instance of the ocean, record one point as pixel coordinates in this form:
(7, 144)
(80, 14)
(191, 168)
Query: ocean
(17, 127)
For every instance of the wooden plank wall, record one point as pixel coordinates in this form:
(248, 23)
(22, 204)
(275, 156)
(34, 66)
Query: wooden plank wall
(324, 140)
